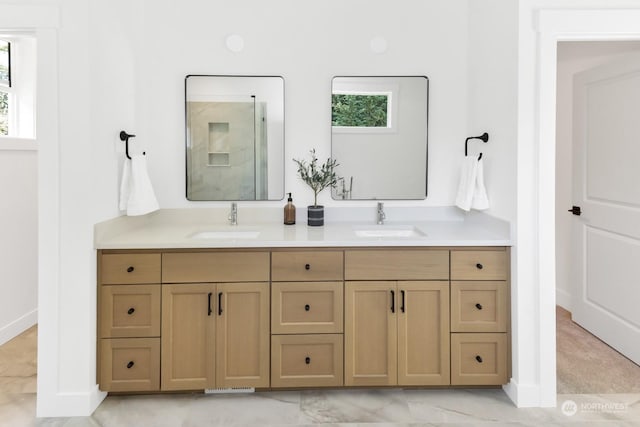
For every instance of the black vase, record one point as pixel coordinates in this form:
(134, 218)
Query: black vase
(315, 215)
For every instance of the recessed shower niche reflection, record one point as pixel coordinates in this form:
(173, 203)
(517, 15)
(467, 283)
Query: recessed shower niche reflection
(235, 137)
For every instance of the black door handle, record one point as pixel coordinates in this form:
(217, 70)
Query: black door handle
(402, 305)
(209, 304)
(576, 210)
(130, 364)
(478, 359)
(131, 311)
(219, 303)
(393, 301)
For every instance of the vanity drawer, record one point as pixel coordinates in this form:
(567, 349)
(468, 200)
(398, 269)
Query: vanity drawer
(478, 307)
(197, 267)
(306, 265)
(130, 364)
(306, 360)
(479, 265)
(397, 265)
(306, 307)
(117, 269)
(478, 359)
(130, 311)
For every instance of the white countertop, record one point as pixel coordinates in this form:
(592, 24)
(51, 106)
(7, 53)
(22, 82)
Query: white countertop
(174, 228)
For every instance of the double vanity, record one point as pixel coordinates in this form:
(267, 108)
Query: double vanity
(187, 305)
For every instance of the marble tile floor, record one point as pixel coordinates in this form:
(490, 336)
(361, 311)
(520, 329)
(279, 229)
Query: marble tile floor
(364, 407)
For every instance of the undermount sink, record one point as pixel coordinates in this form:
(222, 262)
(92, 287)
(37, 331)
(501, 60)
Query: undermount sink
(388, 231)
(226, 234)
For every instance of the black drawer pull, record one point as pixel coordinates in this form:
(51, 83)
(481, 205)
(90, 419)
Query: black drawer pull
(131, 311)
(130, 269)
(307, 266)
(130, 364)
(209, 310)
(219, 303)
(402, 306)
(479, 359)
(307, 360)
(479, 266)
(479, 306)
(307, 307)
(393, 301)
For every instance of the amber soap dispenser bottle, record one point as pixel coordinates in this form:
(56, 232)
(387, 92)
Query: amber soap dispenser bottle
(289, 211)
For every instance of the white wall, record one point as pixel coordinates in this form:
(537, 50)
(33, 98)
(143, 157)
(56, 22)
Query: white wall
(18, 245)
(308, 44)
(573, 57)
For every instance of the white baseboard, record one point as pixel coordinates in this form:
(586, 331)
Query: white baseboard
(18, 326)
(523, 396)
(564, 299)
(69, 404)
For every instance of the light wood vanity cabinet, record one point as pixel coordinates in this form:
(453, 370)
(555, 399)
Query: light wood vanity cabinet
(310, 317)
(397, 332)
(307, 318)
(129, 322)
(479, 316)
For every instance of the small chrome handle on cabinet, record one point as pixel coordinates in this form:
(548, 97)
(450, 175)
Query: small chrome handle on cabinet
(130, 364)
(479, 306)
(307, 266)
(307, 307)
(479, 359)
(131, 311)
(479, 266)
(130, 269)
(307, 360)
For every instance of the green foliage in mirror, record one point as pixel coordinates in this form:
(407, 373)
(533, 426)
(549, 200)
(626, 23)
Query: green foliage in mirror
(359, 110)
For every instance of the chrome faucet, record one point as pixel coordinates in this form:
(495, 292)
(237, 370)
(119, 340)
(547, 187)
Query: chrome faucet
(233, 215)
(380, 213)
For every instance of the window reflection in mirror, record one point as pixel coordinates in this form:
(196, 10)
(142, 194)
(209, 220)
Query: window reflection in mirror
(234, 137)
(379, 137)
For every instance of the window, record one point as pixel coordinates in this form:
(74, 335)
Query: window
(369, 110)
(5, 82)
(17, 85)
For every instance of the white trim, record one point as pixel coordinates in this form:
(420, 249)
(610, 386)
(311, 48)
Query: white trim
(8, 143)
(18, 326)
(564, 299)
(524, 395)
(71, 404)
(536, 177)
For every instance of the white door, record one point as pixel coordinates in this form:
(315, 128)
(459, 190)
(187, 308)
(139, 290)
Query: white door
(606, 187)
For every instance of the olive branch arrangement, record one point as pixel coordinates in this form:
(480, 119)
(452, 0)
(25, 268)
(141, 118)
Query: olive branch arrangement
(317, 177)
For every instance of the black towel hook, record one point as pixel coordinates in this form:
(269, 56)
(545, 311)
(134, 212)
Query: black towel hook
(124, 136)
(484, 138)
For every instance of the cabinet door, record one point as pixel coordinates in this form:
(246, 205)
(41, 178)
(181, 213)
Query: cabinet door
(423, 333)
(242, 358)
(188, 336)
(370, 333)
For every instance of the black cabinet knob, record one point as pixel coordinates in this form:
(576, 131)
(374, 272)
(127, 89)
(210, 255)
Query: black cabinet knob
(479, 266)
(307, 360)
(479, 306)
(307, 266)
(131, 310)
(130, 364)
(307, 307)
(130, 269)
(479, 359)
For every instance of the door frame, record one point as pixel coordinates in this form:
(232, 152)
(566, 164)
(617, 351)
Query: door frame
(534, 382)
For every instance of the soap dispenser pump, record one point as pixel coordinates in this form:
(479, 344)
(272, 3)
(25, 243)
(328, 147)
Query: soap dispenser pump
(289, 212)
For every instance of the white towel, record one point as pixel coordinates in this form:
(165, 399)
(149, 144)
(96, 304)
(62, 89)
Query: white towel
(136, 193)
(480, 200)
(466, 188)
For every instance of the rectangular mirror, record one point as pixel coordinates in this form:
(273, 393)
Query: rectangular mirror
(379, 137)
(234, 137)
